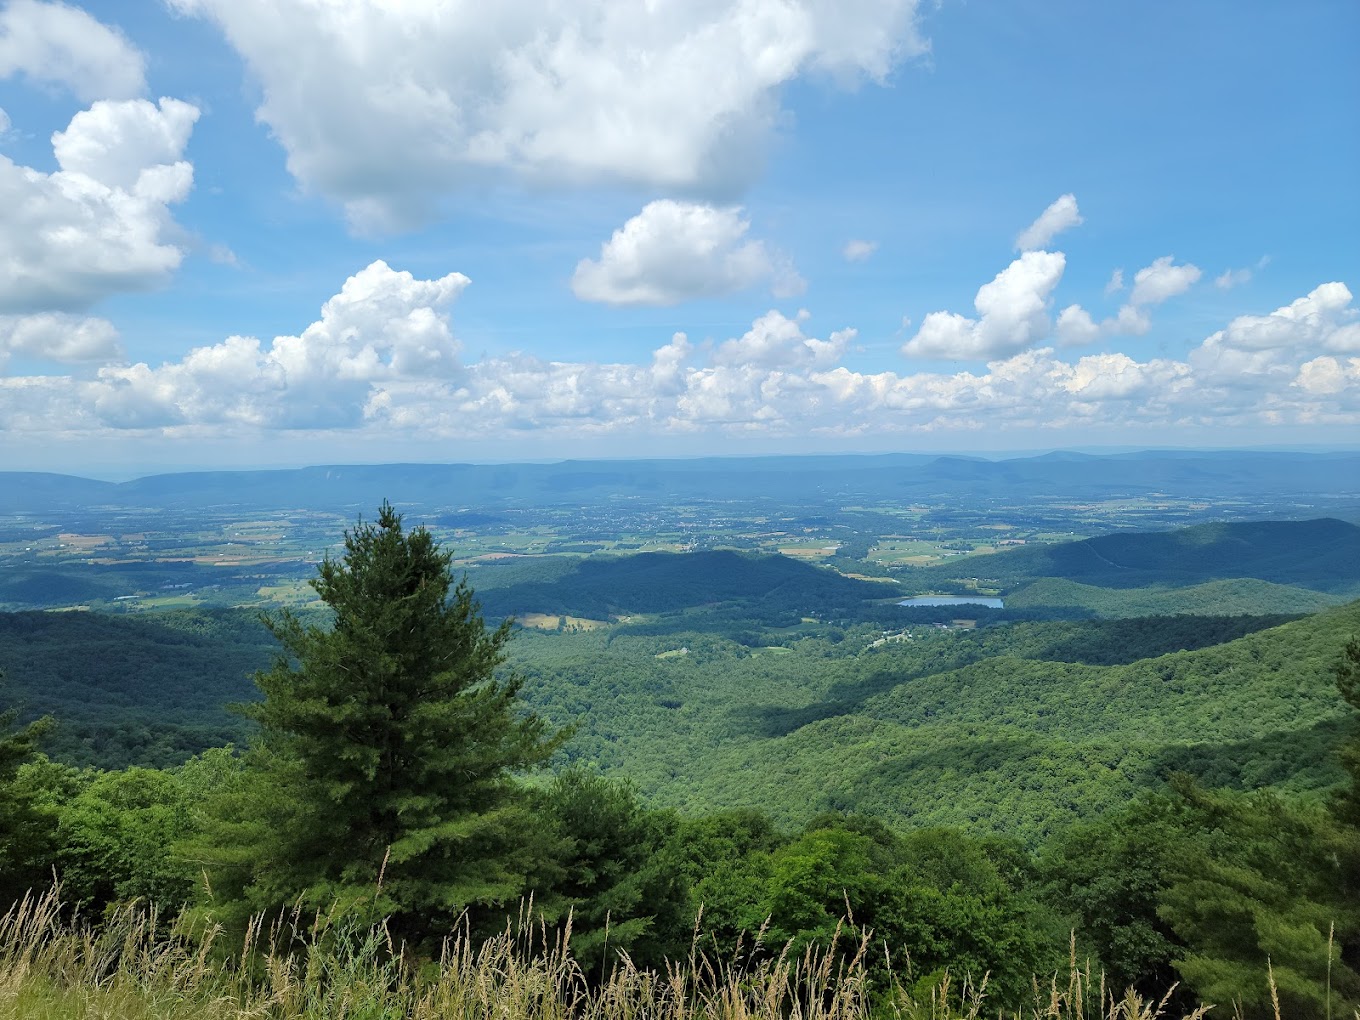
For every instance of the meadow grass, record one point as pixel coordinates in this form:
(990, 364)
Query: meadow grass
(137, 965)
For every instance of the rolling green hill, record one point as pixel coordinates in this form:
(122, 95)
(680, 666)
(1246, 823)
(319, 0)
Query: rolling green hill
(1237, 595)
(1323, 555)
(667, 582)
(943, 729)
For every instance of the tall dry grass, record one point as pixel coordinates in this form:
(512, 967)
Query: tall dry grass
(136, 965)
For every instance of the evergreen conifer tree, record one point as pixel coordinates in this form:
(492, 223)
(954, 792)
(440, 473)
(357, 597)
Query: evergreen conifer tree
(383, 779)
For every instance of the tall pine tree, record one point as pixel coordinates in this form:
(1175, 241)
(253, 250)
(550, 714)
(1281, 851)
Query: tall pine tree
(384, 776)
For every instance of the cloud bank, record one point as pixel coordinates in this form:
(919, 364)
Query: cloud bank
(383, 359)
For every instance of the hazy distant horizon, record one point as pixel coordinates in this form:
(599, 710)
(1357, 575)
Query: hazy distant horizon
(130, 473)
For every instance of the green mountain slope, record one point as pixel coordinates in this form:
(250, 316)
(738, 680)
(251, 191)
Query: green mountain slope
(667, 582)
(939, 731)
(147, 690)
(1321, 555)
(1213, 598)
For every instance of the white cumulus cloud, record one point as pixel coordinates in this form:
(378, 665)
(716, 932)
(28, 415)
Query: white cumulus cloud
(1162, 280)
(776, 341)
(1327, 376)
(53, 336)
(1321, 317)
(1075, 327)
(101, 222)
(675, 251)
(1115, 376)
(57, 44)
(383, 327)
(1061, 215)
(1151, 286)
(672, 94)
(859, 250)
(1012, 314)
(1260, 354)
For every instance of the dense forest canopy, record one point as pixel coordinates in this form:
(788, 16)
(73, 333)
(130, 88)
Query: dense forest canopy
(770, 744)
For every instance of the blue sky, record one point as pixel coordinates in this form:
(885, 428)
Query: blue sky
(252, 232)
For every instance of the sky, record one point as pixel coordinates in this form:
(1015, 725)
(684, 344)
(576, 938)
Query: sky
(278, 232)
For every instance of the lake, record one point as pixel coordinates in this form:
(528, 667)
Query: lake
(954, 600)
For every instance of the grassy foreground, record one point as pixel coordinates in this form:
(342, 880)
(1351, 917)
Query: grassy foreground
(135, 966)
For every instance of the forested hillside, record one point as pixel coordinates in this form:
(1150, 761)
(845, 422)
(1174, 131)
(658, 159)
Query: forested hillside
(749, 750)
(665, 582)
(1320, 555)
(1244, 595)
(143, 690)
(1014, 729)
(726, 680)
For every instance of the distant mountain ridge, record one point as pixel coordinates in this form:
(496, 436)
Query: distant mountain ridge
(904, 476)
(1322, 555)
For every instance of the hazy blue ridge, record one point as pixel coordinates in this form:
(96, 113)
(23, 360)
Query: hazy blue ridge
(1302, 476)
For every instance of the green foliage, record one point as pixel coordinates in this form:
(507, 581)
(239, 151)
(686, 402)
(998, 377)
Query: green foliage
(1021, 728)
(968, 906)
(383, 780)
(976, 728)
(815, 883)
(135, 690)
(930, 902)
(612, 871)
(1120, 642)
(26, 832)
(1348, 673)
(1345, 811)
(1108, 876)
(116, 836)
(1257, 883)
(724, 860)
